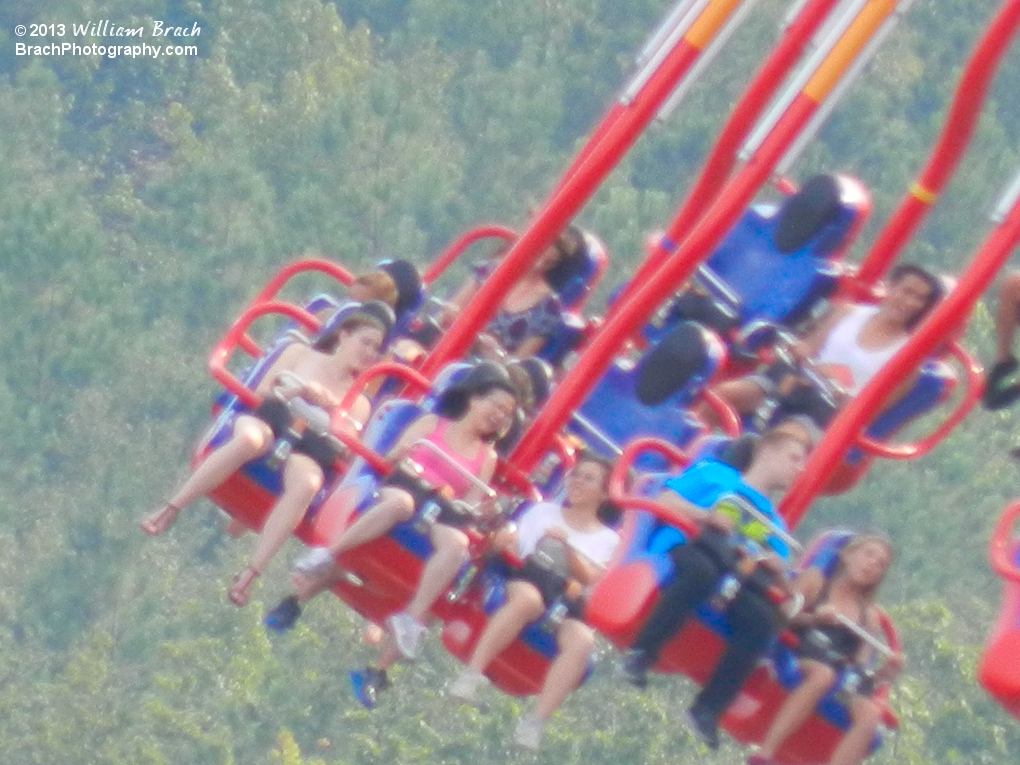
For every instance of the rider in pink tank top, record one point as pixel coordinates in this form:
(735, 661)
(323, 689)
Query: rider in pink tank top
(438, 471)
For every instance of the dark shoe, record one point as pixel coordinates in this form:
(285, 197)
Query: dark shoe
(996, 396)
(759, 759)
(634, 667)
(367, 684)
(705, 726)
(284, 615)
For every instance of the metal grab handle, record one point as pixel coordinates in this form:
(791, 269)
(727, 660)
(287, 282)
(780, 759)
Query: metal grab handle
(746, 506)
(618, 483)
(831, 389)
(408, 375)
(866, 636)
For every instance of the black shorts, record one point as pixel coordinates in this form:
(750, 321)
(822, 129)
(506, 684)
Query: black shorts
(277, 416)
(423, 494)
(552, 585)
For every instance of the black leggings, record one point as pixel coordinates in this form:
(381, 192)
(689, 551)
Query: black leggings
(752, 619)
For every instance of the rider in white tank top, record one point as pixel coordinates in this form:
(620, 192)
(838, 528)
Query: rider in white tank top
(841, 348)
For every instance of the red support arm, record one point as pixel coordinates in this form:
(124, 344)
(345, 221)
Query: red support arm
(459, 246)
(634, 312)
(237, 336)
(308, 265)
(618, 480)
(720, 162)
(956, 135)
(947, 317)
(975, 383)
(567, 200)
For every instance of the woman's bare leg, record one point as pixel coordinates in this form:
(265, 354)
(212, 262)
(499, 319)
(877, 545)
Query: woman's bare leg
(302, 479)
(450, 552)
(394, 506)
(251, 438)
(576, 642)
(523, 605)
(818, 679)
(865, 716)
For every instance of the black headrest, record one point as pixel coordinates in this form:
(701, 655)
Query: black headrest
(668, 366)
(804, 214)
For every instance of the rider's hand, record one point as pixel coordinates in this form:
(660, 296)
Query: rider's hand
(773, 563)
(826, 614)
(720, 522)
(489, 348)
(556, 533)
(891, 667)
(800, 351)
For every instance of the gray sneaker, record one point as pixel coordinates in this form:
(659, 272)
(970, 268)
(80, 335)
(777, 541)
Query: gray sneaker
(467, 685)
(407, 634)
(529, 732)
(314, 562)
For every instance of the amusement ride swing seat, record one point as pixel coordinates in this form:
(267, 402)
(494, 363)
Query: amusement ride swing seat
(380, 576)
(999, 666)
(752, 713)
(773, 266)
(521, 667)
(573, 281)
(250, 493)
(625, 597)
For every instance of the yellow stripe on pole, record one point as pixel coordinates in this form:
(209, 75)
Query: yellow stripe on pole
(857, 35)
(922, 193)
(708, 23)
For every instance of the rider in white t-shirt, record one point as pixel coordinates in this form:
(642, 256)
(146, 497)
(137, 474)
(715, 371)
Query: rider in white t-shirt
(596, 542)
(565, 549)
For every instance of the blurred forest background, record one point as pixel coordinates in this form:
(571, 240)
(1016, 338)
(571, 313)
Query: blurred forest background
(145, 200)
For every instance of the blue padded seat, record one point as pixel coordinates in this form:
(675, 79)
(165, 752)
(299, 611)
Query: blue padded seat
(775, 263)
(650, 398)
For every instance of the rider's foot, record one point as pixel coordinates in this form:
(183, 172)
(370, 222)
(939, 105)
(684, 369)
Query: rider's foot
(160, 520)
(238, 593)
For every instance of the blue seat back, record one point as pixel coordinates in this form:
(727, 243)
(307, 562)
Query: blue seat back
(650, 397)
(777, 263)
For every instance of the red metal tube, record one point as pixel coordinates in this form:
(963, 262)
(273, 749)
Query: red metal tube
(720, 162)
(959, 128)
(568, 199)
(598, 355)
(949, 315)
(1000, 549)
(458, 247)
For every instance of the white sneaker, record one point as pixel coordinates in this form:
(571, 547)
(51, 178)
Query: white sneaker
(407, 633)
(529, 732)
(466, 686)
(316, 561)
